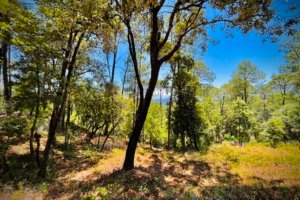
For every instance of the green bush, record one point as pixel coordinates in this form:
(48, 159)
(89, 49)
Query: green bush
(275, 131)
(11, 129)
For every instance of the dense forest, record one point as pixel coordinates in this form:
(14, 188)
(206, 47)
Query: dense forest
(85, 81)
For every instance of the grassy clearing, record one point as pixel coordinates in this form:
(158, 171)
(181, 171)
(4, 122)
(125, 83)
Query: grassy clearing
(254, 171)
(258, 163)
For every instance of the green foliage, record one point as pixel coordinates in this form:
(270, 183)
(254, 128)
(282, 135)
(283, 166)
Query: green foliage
(187, 120)
(13, 125)
(238, 120)
(103, 192)
(12, 128)
(155, 128)
(275, 130)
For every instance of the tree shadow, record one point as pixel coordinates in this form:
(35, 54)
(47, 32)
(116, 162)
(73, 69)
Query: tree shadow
(180, 180)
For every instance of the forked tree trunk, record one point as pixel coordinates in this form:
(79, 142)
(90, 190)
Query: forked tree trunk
(62, 95)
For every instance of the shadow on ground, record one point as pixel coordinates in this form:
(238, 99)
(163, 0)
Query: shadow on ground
(161, 179)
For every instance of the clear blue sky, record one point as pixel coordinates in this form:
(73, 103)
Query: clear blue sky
(223, 58)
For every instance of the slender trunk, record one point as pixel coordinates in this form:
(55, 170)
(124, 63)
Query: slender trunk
(182, 139)
(109, 133)
(51, 133)
(169, 116)
(63, 123)
(62, 95)
(283, 95)
(37, 150)
(264, 109)
(195, 142)
(245, 93)
(32, 110)
(239, 132)
(160, 105)
(106, 128)
(124, 77)
(4, 162)
(37, 112)
(67, 125)
(175, 141)
(5, 72)
(33, 128)
(222, 105)
(140, 120)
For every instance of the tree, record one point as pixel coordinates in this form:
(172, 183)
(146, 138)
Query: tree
(185, 21)
(238, 120)
(71, 23)
(186, 120)
(11, 129)
(155, 126)
(275, 130)
(11, 11)
(282, 84)
(244, 77)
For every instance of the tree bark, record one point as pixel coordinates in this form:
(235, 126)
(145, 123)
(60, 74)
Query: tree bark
(107, 136)
(140, 120)
(37, 151)
(67, 125)
(182, 139)
(62, 95)
(169, 115)
(5, 72)
(37, 112)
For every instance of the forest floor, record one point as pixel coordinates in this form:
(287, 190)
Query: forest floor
(254, 171)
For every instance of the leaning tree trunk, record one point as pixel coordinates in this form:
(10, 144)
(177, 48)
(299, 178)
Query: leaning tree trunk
(36, 116)
(140, 120)
(62, 95)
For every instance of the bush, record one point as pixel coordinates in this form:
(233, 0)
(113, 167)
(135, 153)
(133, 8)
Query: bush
(275, 131)
(11, 129)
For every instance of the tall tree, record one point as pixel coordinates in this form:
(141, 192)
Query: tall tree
(186, 19)
(245, 76)
(74, 22)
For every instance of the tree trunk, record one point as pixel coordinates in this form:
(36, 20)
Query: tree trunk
(169, 116)
(140, 120)
(62, 95)
(54, 121)
(109, 133)
(283, 95)
(182, 139)
(195, 142)
(245, 93)
(33, 128)
(5, 72)
(67, 125)
(124, 77)
(37, 151)
(265, 109)
(37, 112)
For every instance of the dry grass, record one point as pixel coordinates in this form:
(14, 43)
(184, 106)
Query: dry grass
(258, 163)
(254, 171)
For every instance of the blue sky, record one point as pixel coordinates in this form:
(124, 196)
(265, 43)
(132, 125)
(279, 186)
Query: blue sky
(223, 58)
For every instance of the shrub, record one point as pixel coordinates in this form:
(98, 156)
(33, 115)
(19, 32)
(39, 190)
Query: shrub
(11, 129)
(275, 130)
